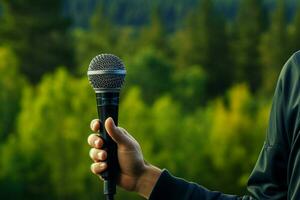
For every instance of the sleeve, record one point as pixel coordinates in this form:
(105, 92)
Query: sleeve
(173, 188)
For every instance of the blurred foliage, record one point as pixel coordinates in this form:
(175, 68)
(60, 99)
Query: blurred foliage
(250, 23)
(156, 74)
(38, 34)
(197, 95)
(11, 85)
(138, 13)
(205, 42)
(274, 45)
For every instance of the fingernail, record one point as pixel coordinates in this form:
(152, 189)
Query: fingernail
(113, 122)
(100, 156)
(102, 165)
(97, 142)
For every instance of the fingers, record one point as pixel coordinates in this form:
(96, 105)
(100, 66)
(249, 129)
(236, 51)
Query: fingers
(95, 141)
(99, 167)
(98, 155)
(115, 132)
(95, 125)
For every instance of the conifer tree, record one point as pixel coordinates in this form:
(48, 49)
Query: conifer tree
(208, 47)
(101, 37)
(38, 34)
(11, 86)
(250, 25)
(154, 34)
(274, 47)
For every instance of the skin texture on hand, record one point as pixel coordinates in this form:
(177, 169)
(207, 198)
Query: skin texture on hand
(135, 174)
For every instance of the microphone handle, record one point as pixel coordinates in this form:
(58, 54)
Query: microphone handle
(107, 106)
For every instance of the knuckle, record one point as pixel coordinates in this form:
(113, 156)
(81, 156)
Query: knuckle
(93, 168)
(91, 139)
(98, 167)
(93, 153)
(93, 124)
(94, 140)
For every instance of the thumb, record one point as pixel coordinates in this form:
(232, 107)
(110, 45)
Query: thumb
(115, 133)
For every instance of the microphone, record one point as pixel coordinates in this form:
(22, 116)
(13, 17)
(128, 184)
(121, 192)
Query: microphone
(106, 74)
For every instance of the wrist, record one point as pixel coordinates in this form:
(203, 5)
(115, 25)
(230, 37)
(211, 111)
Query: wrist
(148, 180)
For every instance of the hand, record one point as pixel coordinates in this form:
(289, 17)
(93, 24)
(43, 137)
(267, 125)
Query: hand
(135, 174)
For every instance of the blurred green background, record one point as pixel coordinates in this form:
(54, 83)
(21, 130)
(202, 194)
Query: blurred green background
(201, 76)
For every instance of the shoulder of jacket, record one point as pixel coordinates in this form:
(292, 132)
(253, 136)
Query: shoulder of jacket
(291, 68)
(295, 60)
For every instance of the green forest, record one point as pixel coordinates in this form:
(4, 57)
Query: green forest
(199, 83)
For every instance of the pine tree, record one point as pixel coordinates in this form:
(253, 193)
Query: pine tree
(250, 25)
(151, 71)
(38, 34)
(101, 37)
(154, 34)
(11, 86)
(274, 47)
(206, 44)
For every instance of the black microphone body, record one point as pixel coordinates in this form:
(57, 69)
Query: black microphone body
(106, 74)
(107, 106)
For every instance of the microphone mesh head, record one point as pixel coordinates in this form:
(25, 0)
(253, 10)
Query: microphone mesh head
(106, 73)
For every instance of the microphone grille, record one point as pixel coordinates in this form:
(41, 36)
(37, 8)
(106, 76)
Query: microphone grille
(106, 73)
(106, 62)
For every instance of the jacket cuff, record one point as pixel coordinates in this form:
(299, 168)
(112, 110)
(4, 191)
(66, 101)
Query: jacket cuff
(169, 187)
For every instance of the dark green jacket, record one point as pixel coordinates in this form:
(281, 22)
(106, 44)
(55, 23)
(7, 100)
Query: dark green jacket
(276, 174)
